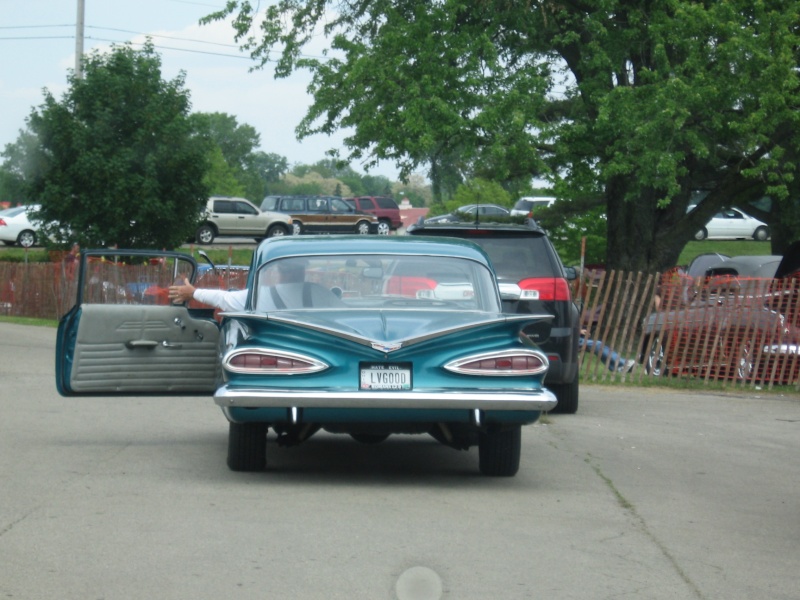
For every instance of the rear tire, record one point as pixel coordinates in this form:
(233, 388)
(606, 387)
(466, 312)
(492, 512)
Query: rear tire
(701, 235)
(654, 357)
(499, 451)
(384, 228)
(761, 234)
(247, 446)
(362, 227)
(567, 395)
(205, 234)
(26, 238)
(277, 231)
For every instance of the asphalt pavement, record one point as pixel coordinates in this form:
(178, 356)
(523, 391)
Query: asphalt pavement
(652, 494)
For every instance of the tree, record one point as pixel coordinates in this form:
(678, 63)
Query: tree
(220, 178)
(116, 160)
(237, 144)
(636, 104)
(478, 191)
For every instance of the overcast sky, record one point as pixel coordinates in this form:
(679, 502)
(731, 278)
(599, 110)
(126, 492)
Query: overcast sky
(37, 42)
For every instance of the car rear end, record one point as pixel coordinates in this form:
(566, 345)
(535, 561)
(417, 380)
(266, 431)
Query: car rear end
(523, 256)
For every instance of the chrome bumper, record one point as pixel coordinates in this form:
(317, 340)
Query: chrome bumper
(539, 400)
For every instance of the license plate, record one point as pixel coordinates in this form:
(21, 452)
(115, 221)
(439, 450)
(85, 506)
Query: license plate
(385, 376)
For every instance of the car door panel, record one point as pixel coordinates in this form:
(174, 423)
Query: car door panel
(123, 337)
(134, 349)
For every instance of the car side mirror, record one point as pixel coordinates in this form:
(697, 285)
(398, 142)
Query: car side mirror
(572, 273)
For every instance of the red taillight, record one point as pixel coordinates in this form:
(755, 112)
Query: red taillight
(3, 223)
(545, 288)
(506, 363)
(271, 362)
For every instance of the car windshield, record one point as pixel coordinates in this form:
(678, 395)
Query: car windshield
(375, 282)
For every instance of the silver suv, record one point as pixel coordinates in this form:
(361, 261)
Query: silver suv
(238, 217)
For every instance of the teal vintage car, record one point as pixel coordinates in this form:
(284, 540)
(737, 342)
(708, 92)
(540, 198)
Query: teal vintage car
(365, 336)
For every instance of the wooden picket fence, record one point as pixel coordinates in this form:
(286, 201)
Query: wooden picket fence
(739, 331)
(743, 333)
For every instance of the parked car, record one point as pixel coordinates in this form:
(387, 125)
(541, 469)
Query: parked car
(349, 352)
(383, 207)
(322, 214)
(526, 206)
(238, 217)
(732, 223)
(524, 257)
(16, 226)
(471, 212)
(736, 321)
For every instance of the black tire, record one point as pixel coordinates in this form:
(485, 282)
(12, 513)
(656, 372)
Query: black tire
(384, 228)
(499, 451)
(761, 234)
(567, 395)
(701, 235)
(369, 438)
(362, 227)
(277, 231)
(26, 238)
(247, 446)
(297, 228)
(654, 357)
(205, 234)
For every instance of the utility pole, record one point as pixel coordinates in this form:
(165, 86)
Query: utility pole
(79, 40)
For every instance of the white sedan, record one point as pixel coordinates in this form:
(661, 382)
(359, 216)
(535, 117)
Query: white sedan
(16, 227)
(732, 223)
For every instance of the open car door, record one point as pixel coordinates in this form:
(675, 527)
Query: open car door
(123, 337)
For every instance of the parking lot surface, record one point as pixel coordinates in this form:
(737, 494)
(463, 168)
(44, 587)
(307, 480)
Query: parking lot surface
(652, 494)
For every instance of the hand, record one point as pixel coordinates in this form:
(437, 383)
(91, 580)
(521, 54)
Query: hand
(180, 294)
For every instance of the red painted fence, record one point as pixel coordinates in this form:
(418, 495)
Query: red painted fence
(740, 331)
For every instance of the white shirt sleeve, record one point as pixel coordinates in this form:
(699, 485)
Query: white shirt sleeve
(222, 299)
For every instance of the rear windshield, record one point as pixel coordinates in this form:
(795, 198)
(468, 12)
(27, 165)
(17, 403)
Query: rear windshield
(528, 204)
(386, 203)
(516, 258)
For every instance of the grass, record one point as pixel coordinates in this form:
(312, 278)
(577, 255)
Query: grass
(238, 256)
(29, 321)
(728, 247)
(242, 256)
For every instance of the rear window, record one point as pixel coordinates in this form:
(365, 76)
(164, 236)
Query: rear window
(516, 258)
(386, 203)
(528, 204)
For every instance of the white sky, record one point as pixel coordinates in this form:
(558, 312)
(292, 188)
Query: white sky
(37, 45)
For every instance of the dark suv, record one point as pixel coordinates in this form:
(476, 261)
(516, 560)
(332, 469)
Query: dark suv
(383, 207)
(523, 255)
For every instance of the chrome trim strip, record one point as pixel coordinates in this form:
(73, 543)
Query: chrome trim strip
(405, 342)
(541, 399)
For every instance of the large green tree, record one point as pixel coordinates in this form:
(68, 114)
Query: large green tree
(254, 170)
(636, 104)
(117, 161)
